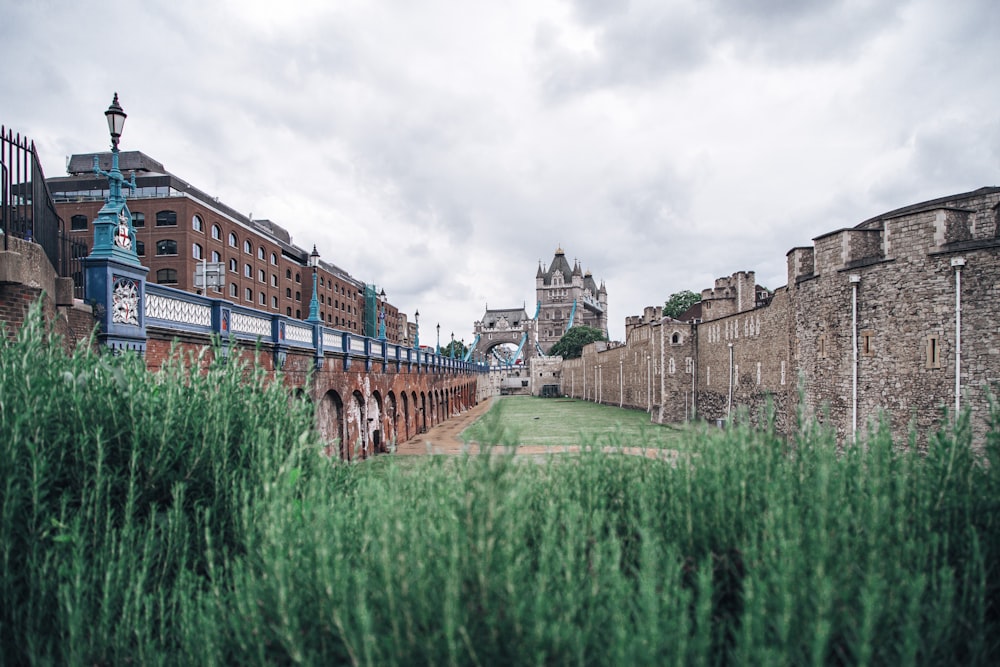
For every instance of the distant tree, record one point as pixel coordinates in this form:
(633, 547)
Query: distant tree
(680, 302)
(459, 349)
(570, 346)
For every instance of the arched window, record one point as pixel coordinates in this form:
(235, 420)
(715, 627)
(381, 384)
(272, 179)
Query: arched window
(233, 241)
(196, 251)
(274, 302)
(138, 220)
(166, 276)
(216, 257)
(233, 290)
(216, 232)
(166, 219)
(78, 223)
(675, 339)
(197, 224)
(232, 265)
(288, 274)
(166, 247)
(261, 253)
(288, 292)
(247, 271)
(297, 278)
(248, 294)
(248, 247)
(274, 258)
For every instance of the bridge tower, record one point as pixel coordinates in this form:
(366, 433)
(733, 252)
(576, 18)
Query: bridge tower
(567, 297)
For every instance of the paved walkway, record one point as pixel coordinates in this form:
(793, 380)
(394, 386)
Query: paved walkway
(443, 439)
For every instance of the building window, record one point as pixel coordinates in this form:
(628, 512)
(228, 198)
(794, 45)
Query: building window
(688, 365)
(166, 247)
(274, 280)
(288, 311)
(247, 294)
(261, 276)
(78, 223)
(933, 352)
(288, 274)
(233, 241)
(166, 276)
(671, 368)
(248, 247)
(262, 299)
(274, 302)
(166, 219)
(140, 248)
(274, 259)
(297, 278)
(821, 346)
(196, 223)
(288, 292)
(675, 339)
(868, 343)
(232, 265)
(216, 257)
(298, 314)
(196, 251)
(233, 290)
(138, 219)
(261, 253)
(216, 232)
(298, 296)
(247, 271)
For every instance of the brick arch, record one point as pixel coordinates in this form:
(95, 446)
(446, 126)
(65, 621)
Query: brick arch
(330, 421)
(375, 424)
(391, 416)
(406, 415)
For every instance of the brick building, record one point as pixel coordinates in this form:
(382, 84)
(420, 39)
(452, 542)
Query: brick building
(179, 227)
(895, 319)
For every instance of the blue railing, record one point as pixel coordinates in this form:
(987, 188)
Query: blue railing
(176, 310)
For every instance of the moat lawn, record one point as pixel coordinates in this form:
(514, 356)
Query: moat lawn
(527, 420)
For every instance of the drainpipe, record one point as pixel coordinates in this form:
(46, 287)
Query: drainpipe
(729, 407)
(957, 263)
(855, 280)
(621, 381)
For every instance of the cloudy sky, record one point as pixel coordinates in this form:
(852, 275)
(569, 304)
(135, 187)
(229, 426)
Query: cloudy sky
(442, 148)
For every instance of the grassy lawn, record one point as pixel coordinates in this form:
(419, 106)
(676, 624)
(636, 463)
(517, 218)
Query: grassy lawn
(527, 420)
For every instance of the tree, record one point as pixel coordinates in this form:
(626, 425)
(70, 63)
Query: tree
(680, 302)
(570, 346)
(459, 346)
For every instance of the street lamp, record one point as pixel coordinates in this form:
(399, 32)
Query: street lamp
(116, 121)
(416, 333)
(314, 302)
(452, 353)
(381, 315)
(438, 350)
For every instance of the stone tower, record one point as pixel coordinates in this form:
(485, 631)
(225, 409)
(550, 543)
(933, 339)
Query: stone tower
(567, 297)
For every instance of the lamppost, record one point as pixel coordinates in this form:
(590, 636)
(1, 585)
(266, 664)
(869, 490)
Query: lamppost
(416, 333)
(381, 315)
(452, 353)
(314, 302)
(437, 350)
(114, 235)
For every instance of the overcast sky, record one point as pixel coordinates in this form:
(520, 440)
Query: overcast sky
(441, 149)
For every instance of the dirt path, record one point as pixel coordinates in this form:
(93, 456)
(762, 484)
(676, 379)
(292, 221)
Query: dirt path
(443, 439)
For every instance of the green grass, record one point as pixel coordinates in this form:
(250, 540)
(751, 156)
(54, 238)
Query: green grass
(526, 420)
(176, 518)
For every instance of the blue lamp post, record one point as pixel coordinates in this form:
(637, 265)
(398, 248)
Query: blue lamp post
(115, 279)
(314, 302)
(381, 315)
(452, 352)
(416, 330)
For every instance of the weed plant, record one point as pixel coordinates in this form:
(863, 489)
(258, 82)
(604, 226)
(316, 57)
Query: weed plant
(178, 518)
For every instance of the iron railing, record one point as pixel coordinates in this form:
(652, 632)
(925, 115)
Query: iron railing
(27, 211)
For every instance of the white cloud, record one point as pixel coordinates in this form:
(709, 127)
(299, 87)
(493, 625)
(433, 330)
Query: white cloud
(441, 149)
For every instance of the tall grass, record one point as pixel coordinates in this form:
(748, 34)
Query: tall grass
(223, 537)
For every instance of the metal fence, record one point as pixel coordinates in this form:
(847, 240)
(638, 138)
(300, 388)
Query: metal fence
(27, 211)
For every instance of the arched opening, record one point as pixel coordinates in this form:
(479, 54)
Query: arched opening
(357, 433)
(390, 421)
(330, 421)
(406, 415)
(374, 425)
